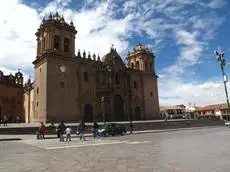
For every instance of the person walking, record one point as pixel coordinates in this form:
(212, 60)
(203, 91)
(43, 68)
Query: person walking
(81, 129)
(61, 129)
(131, 128)
(68, 134)
(42, 130)
(5, 120)
(95, 130)
(17, 119)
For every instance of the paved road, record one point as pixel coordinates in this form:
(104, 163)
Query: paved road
(179, 151)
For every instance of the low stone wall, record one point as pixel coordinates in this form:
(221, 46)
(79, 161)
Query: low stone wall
(137, 126)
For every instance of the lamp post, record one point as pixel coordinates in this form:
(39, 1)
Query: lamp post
(131, 113)
(130, 106)
(103, 108)
(220, 58)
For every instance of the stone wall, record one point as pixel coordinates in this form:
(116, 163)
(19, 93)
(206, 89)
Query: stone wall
(137, 125)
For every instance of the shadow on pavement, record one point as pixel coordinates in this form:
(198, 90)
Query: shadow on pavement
(10, 139)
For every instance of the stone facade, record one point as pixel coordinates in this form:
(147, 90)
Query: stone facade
(28, 101)
(73, 87)
(11, 96)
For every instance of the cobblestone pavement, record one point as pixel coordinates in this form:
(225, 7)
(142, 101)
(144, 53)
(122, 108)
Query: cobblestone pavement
(201, 150)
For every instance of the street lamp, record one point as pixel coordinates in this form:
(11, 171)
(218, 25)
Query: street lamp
(220, 58)
(130, 106)
(131, 113)
(103, 108)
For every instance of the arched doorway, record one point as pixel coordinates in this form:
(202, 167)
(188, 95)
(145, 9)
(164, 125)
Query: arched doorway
(118, 108)
(137, 113)
(88, 113)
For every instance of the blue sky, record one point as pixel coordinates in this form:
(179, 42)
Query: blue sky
(182, 33)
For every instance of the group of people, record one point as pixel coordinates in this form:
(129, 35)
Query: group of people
(62, 129)
(7, 119)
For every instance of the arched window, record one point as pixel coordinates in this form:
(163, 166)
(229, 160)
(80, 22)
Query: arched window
(86, 78)
(132, 65)
(150, 65)
(16, 81)
(146, 65)
(20, 81)
(117, 79)
(137, 65)
(66, 45)
(56, 42)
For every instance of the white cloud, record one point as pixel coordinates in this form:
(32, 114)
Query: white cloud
(198, 93)
(17, 40)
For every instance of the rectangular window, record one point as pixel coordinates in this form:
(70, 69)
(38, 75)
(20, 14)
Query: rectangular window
(62, 84)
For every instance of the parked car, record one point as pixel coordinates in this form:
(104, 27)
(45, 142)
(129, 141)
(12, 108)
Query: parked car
(227, 123)
(112, 129)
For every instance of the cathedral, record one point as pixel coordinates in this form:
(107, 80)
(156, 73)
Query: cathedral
(71, 87)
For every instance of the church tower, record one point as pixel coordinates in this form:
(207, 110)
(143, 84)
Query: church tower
(54, 67)
(56, 36)
(143, 60)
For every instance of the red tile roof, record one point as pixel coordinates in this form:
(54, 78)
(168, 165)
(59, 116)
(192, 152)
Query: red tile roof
(213, 107)
(171, 108)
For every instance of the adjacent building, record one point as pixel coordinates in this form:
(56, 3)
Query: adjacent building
(11, 96)
(69, 87)
(214, 110)
(177, 112)
(174, 112)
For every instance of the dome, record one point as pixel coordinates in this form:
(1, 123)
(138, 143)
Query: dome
(112, 58)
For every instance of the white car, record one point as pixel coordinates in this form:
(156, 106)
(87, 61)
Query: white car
(227, 123)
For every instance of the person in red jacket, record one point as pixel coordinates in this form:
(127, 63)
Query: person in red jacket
(42, 130)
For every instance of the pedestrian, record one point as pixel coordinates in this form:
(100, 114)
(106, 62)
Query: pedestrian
(5, 120)
(61, 129)
(131, 128)
(42, 130)
(95, 130)
(81, 129)
(17, 119)
(68, 134)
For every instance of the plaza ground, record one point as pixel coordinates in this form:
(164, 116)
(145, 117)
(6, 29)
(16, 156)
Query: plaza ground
(204, 149)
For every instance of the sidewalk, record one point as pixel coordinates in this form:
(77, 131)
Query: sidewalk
(54, 136)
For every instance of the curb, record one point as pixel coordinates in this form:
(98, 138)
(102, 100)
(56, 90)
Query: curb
(169, 130)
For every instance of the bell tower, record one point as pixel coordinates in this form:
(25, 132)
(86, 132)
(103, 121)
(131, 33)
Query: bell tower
(54, 65)
(56, 36)
(141, 58)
